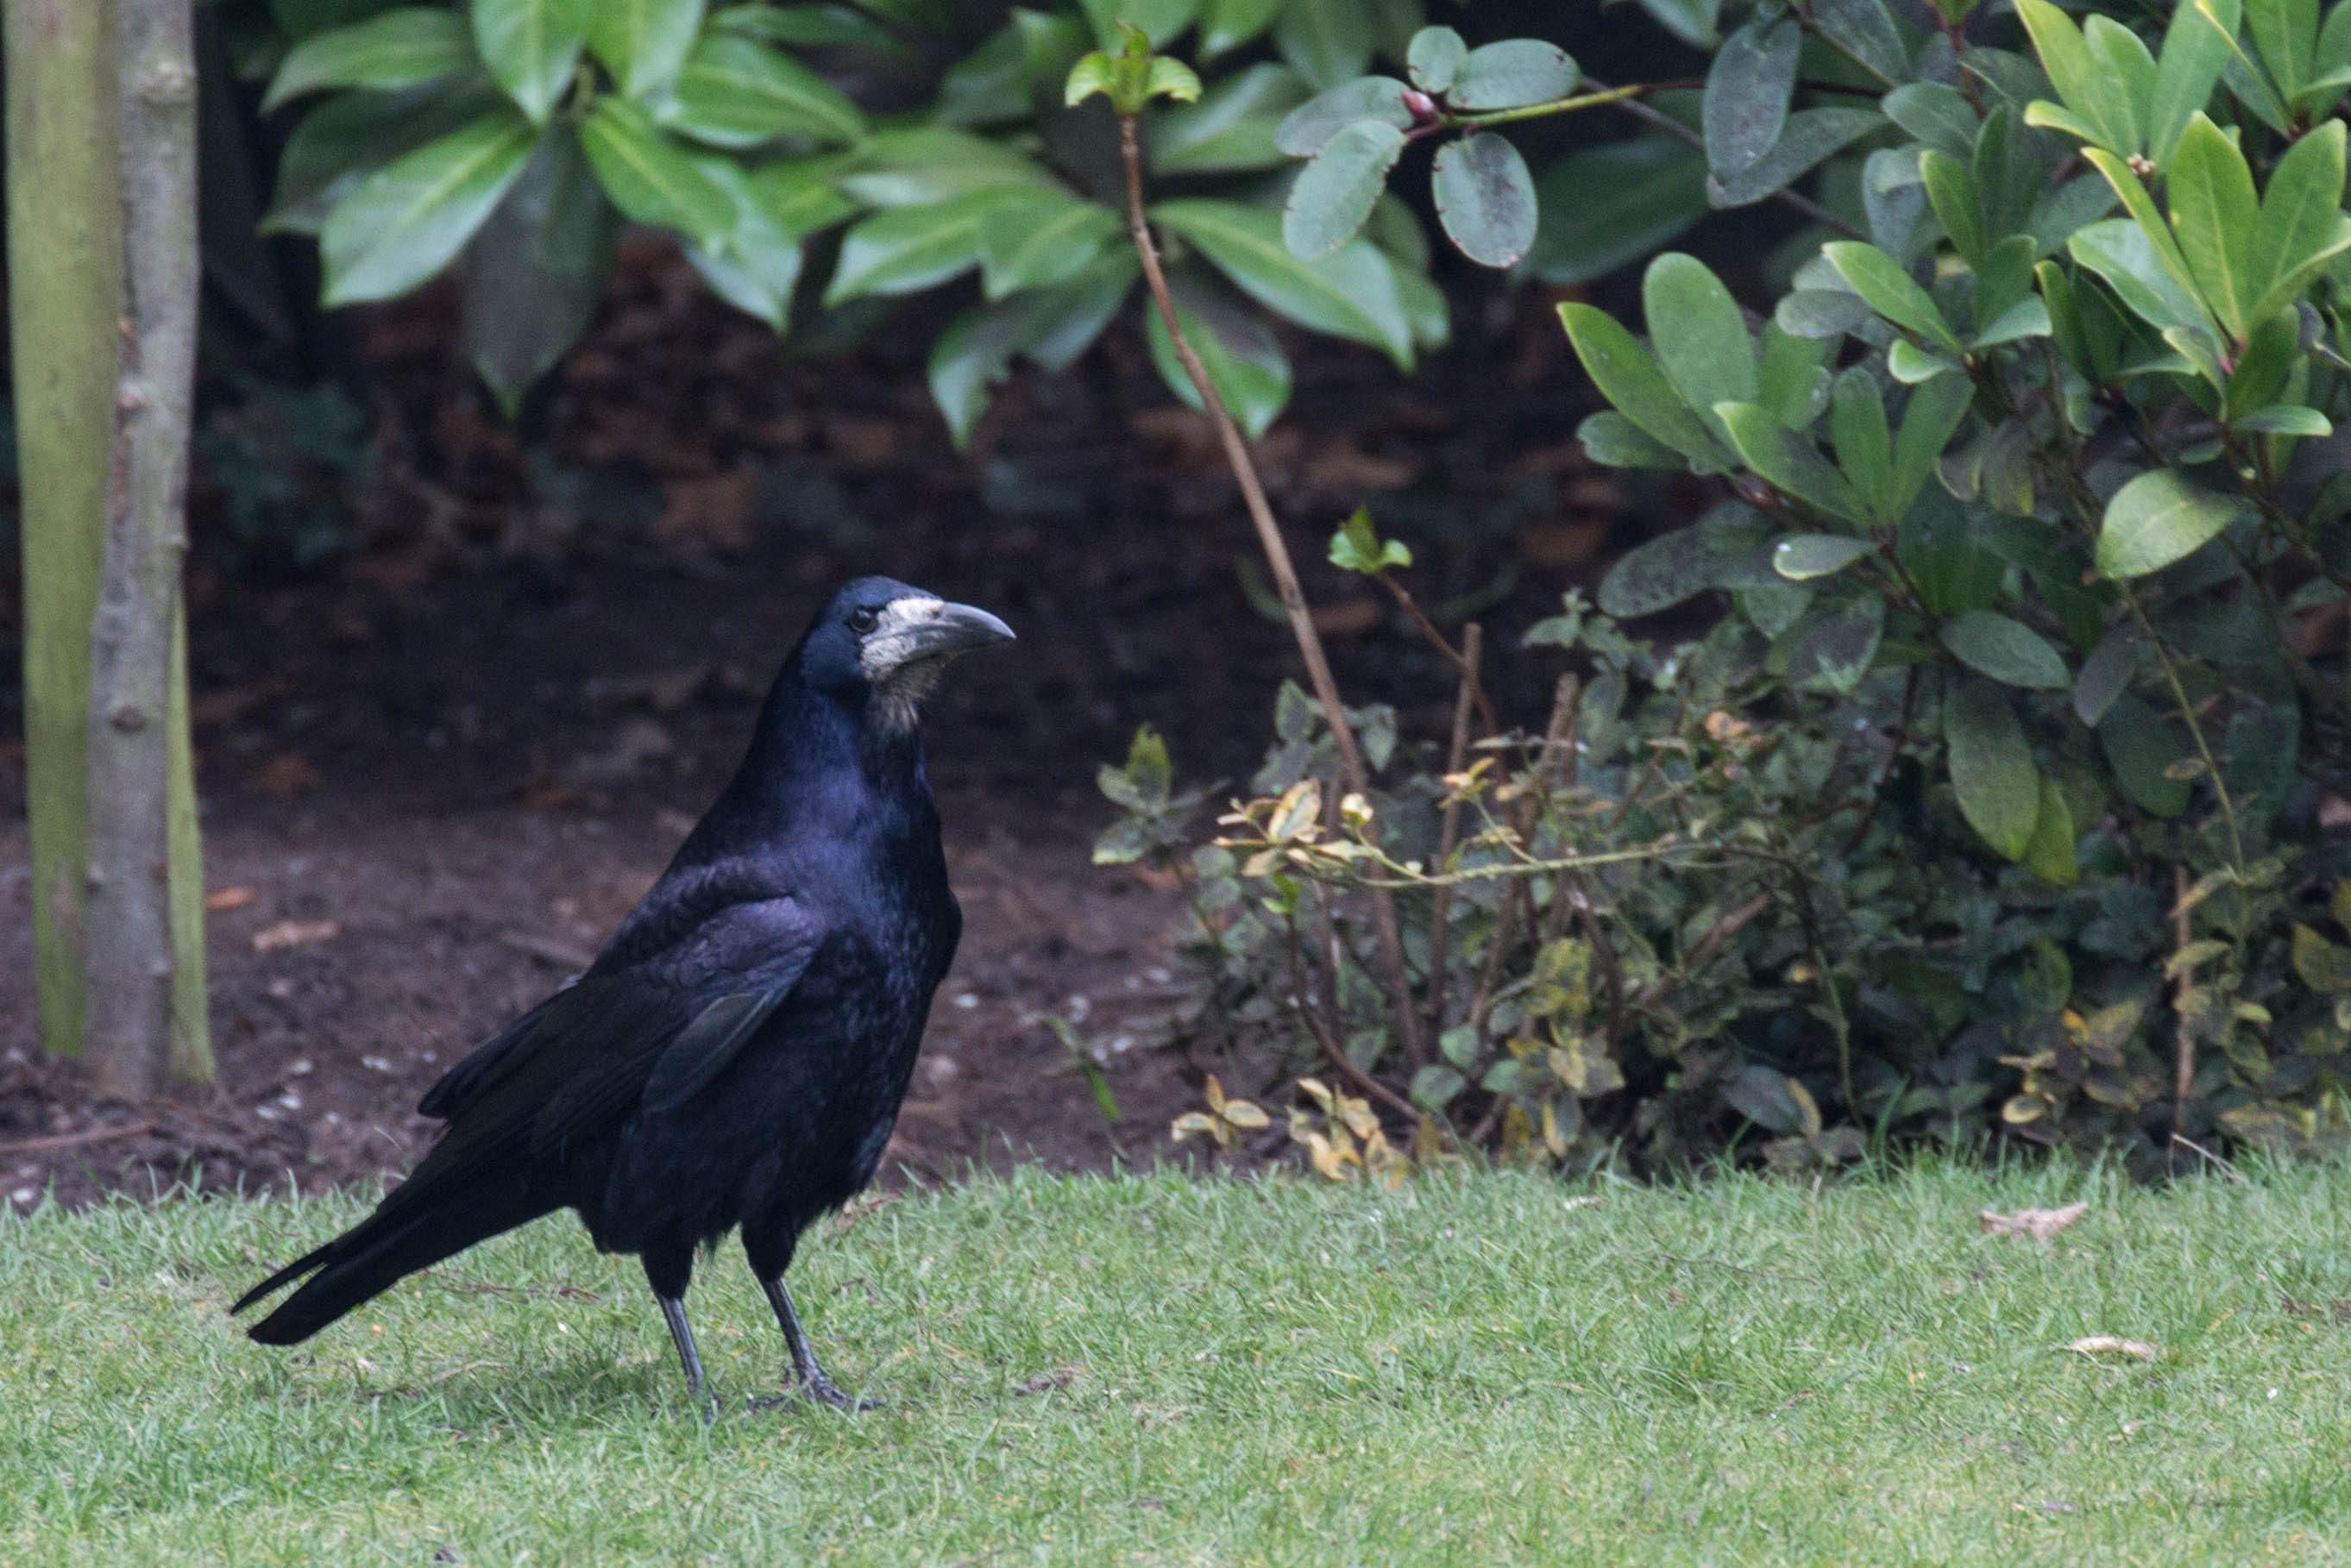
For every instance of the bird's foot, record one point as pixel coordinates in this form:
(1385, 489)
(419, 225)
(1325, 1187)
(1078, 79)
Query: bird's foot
(819, 1389)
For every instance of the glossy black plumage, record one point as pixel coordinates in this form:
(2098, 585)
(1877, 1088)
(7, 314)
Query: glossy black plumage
(737, 1055)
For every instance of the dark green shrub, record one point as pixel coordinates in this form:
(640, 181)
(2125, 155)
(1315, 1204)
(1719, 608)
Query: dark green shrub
(1994, 802)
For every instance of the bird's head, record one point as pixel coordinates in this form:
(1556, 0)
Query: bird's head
(888, 642)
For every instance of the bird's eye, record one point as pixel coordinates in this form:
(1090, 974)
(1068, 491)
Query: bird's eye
(865, 620)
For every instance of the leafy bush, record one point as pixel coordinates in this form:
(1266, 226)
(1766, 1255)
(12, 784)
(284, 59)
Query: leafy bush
(1995, 800)
(512, 137)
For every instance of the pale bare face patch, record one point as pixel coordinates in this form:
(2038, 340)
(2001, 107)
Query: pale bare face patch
(890, 656)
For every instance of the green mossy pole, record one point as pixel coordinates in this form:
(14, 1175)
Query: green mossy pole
(103, 264)
(65, 300)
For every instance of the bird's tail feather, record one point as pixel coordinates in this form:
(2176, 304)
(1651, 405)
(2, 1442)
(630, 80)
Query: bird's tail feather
(414, 1230)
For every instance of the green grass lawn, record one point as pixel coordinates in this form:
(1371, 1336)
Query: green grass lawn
(1489, 1369)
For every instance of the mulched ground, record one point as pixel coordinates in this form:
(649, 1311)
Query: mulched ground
(437, 769)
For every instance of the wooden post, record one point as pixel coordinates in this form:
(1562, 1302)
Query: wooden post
(65, 294)
(102, 261)
(133, 962)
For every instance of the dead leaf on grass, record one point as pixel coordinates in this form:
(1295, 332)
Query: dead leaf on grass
(2038, 1223)
(295, 934)
(222, 899)
(2110, 1345)
(1060, 1377)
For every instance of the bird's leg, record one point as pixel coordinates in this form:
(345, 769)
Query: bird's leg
(668, 1270)
(812, 1380)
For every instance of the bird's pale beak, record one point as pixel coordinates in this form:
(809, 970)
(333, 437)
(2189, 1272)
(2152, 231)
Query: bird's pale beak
(956, 628)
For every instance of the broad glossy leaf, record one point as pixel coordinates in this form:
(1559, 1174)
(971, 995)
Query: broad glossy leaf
(1935, 114)
(1333, 193)
(1747, 90)
(531, 47)
(1067, 316)
(1865, 31)
(808, 26)
(1485, 198)
(2285, 32)
(2283, 419)
(406, 221)
(913, 166)
(1836, 650)
(2107, 673)
(1029, 239)
(1874, 277)
(796, 193)
(2118, 250)
(1613, 440)
(1159, 19)
(2214, 214)
(2142, 209)
(1698, 333)
(404, 47)
(2006, 650)
(1305, 129)
(1992, 773)
(1821, 313)
(1809, 136)
(734, 93)
(1772, 1100)
(1328, 42)
(1864, 440)
(2081, 77)
(2157, 519)
(1605, 206)
(1790, 462)
(2196, 48)
(1792, 379)
(536, 270)
(348, 137)
(1929, 422)
(1629, 379)
(1434, 57)
(1691, 21)
(1951, 191)
(1351, 293)
(1231, 128)
(1660, 574)
(907, 249)
(1244, 362)
(2050, 851)
(2302, 224)
(2142, 745)
(1804, 556)
(643, 43)
(652, 179)
(299, 19)
(1228, 23)
(1513, 74)
(973, 353)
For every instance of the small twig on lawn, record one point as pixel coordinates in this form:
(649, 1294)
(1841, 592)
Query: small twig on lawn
(73, 1139)
(1440, 900)
(2236, 1177)
(1285, 579)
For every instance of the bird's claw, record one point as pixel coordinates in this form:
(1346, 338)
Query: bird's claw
(819, 1389)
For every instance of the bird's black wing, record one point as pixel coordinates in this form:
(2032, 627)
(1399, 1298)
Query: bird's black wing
(649, 1035)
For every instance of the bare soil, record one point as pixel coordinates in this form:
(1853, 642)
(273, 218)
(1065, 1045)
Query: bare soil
(436, 771)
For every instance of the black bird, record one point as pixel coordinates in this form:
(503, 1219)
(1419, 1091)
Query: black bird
(737, 1055)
